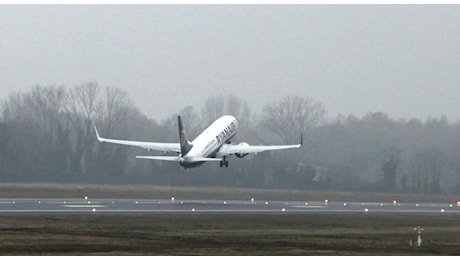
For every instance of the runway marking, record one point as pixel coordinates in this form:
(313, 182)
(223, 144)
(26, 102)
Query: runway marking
(85, 206)
(74, 201)
(166, 206)
(309, 207)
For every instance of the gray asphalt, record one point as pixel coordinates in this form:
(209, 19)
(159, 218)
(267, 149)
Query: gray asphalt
(178, 206)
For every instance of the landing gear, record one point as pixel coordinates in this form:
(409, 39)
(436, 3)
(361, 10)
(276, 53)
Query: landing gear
(223, 163)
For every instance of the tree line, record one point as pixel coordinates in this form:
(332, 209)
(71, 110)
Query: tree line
(47, 135)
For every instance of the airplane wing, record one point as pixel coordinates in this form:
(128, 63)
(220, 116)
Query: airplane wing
(228, 149)
(166, 147)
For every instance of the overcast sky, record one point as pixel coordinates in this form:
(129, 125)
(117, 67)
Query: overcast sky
(403, 60)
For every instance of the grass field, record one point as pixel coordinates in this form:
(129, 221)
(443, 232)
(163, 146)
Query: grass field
(208, 234)
(326, 234)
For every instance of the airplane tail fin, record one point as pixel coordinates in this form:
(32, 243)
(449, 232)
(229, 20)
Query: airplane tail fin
(185, 145)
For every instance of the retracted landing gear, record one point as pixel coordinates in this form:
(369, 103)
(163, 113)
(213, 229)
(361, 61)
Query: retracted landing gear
(223, 163)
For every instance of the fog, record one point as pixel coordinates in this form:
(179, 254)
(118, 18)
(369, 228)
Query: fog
(402, 60)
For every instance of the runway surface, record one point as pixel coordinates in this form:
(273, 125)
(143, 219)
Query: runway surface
(177, 206)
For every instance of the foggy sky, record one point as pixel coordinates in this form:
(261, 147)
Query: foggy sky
(403, 60)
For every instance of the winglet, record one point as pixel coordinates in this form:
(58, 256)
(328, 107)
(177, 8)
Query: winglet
(301, 139)
(97, 134)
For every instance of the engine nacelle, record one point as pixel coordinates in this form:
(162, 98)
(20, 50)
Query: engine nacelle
(241, 155)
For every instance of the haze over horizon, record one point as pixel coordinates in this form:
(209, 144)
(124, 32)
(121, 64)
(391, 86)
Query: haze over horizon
(402, 60)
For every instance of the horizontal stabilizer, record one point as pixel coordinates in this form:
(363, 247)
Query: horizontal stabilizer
(180, 159)
(203, 159)
(161, 158)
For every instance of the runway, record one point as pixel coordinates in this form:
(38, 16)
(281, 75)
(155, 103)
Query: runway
(178, 206)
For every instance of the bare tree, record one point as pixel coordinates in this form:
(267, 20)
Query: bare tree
(42, 113)
(13, 107)
(85, 98)
(84, 101)
(21, 134)
(213, 108)
(290, 116)
(117, 110)
(239, 108)
(46, 104)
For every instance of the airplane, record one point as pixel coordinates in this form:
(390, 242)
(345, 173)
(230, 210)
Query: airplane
(213, 144)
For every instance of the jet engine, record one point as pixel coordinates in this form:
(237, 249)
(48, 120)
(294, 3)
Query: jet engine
(241, 155)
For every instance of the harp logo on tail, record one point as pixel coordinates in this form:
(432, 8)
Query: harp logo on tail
(183, 138)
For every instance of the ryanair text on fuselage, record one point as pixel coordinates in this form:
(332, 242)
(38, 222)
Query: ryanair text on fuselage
(227, 132)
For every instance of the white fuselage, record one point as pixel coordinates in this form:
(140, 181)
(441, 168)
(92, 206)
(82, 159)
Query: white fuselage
(210, 140)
